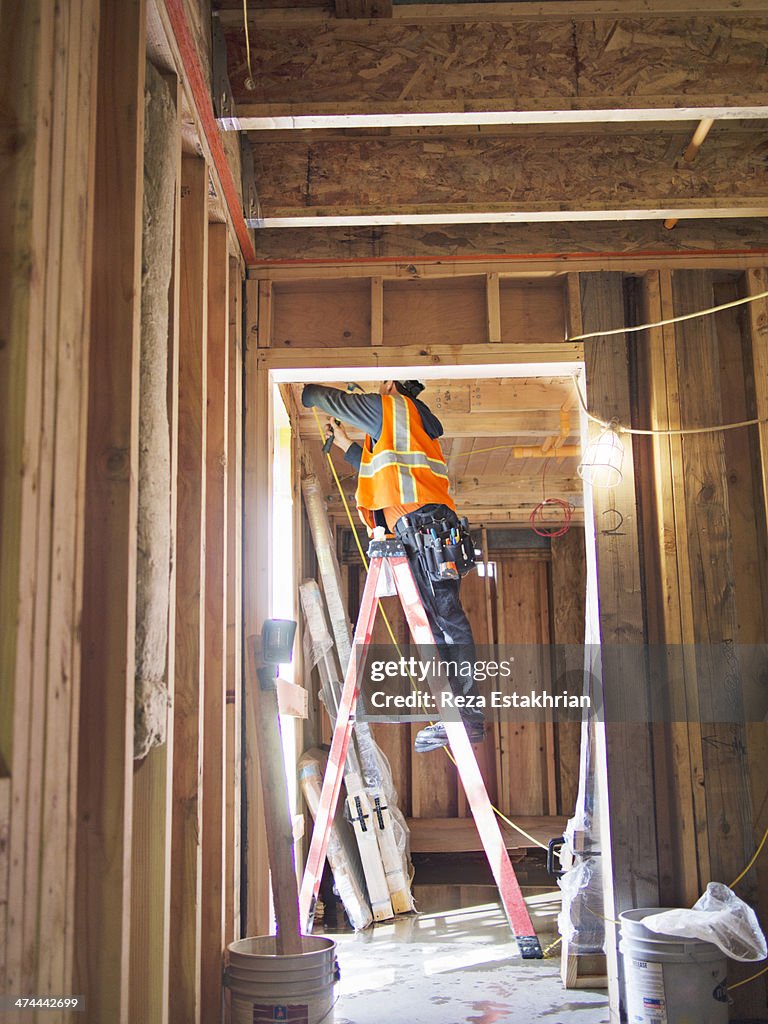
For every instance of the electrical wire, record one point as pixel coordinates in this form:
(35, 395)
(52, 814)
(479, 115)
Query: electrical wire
(754, 858)
(745, 981)
(660, 431)
(247, 47)
(387, 623)
(671, 320)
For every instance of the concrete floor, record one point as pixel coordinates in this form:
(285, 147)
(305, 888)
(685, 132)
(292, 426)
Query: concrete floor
(455, 962)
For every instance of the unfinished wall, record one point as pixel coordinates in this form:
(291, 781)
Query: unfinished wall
(85, 852)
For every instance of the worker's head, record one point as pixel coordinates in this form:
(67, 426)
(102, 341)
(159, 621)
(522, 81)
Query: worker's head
(409, 388)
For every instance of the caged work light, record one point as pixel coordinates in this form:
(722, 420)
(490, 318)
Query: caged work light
(601, 463)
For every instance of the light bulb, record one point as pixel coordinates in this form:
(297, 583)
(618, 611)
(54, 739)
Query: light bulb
(601, 463)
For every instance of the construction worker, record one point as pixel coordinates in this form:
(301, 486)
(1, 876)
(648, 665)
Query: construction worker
(403, 486)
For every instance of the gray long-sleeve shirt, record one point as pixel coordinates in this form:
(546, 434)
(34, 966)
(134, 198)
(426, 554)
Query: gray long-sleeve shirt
(363, 412)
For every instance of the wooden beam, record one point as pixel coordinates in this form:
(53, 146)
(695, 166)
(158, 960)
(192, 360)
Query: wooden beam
(188, 733)
(571, 114)
(540, 248)
(729, 833)
(459, 835)
(490, 178)
(556, 68)
(214, 698)
(625, 757)
(555, 359)
(528, 213)
(681, 810)
(527, 10)
(363, 8)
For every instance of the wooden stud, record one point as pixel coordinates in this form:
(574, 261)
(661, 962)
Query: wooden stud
(493, 301)
(153, 780)
(257, 579)
(624, 756)
(103, 889)
(757, 281)
(710, 548)
(214, 691)
(265, 314)
(377, 310)
(234, 610)
(568, 590)
(277, 816)
(186, 875)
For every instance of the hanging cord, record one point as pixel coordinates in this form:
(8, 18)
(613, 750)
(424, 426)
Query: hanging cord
(746, 981)
(667, 433)
(671, 320)
(756, 854)
(499, 813)
(249, 83)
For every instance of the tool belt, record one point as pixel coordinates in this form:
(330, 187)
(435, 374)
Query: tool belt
(441, 541)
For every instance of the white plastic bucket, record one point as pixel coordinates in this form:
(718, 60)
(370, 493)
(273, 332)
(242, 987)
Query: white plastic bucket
(669, 979)
(265, 988)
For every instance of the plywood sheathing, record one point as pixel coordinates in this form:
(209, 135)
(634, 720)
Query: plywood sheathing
(378, 65)
(161, 140)
(585, 171)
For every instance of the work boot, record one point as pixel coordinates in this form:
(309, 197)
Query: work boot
(434, 736)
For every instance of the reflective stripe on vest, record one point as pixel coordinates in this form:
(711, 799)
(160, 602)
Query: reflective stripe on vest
(398, 450)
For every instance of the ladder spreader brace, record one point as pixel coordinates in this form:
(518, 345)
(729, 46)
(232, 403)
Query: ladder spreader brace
(391, 553)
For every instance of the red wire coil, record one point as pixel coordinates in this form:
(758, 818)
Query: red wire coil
(558, 531)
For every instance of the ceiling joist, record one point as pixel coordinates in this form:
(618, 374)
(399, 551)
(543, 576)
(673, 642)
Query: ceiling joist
(268, 15)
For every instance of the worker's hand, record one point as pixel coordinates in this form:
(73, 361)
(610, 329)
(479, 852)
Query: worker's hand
(340, 437)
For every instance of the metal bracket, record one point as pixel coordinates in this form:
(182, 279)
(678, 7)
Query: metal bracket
(223, 100)
(251, 205)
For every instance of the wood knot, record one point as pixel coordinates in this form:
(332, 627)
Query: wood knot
(707, 492)
(117, 462)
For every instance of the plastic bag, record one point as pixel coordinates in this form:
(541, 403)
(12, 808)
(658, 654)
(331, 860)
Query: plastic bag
(719, 917)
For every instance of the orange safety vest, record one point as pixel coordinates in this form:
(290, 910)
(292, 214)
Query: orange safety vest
(405, 465)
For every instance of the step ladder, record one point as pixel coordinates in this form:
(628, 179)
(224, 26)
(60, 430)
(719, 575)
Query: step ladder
(390, 573)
